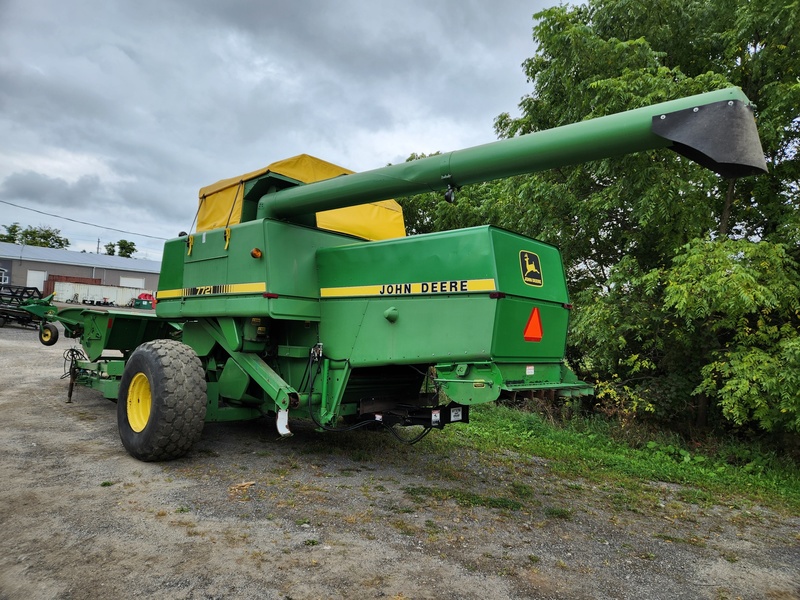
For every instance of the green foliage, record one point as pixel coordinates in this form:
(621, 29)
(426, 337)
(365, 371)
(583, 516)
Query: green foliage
(684, 284)
(557, 512)
(12, 234)
(744, 299)
(621, 223)
(126, 248)
(47, 237)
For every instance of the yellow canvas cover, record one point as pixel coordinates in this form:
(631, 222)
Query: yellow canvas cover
(221, 202)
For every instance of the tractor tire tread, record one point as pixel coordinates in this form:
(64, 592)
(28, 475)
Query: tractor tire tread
(180, 386)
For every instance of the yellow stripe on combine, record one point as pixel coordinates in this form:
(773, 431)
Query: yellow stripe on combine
(244, 288)
(450, 286)
(207, 290)
(164, 294)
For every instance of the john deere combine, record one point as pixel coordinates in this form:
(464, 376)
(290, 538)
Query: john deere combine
(299, 297)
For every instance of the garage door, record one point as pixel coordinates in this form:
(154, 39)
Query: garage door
(134, 282)
(36, 279)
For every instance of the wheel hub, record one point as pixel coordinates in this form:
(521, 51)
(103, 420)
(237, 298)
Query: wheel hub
(139, 402)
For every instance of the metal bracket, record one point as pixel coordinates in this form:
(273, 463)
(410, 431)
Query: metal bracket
(282, 423)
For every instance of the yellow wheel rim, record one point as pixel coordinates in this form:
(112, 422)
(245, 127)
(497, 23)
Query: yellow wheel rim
(46, 335)
(139, 402)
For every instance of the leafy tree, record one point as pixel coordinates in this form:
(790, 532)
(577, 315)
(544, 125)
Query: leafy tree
(126, 248)
(12, 235)
(636, 231)
(47, 237)
(642, 235)
(743, 298)
(111, 248)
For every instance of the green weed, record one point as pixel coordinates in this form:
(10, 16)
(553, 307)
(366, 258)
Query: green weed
(555, 512)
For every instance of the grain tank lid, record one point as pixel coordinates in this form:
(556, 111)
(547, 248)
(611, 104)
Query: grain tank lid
(303, 167)
(221, 202)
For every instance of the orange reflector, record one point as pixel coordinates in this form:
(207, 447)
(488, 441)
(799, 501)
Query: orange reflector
(533, 330)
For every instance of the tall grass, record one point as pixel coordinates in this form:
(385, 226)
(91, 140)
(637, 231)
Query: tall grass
(599, 450)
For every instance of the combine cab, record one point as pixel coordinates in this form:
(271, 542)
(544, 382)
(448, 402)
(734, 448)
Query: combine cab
(299, 295)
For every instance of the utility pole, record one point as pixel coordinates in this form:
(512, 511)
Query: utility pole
(98, 245)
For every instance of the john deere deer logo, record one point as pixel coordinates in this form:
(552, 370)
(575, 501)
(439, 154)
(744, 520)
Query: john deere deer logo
(531, 268)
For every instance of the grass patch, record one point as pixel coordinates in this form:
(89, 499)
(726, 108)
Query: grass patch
(419, 493)
(523, 491)
(694, 496)
(556, 512)
(591, 448)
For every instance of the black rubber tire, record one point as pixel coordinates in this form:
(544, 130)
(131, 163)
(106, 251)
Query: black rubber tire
(2, 321)
(177, 390)
(48, 334)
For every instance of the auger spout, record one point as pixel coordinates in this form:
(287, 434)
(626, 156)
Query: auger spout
(716, 129)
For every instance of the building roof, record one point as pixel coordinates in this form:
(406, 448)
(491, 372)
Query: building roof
(82, 259)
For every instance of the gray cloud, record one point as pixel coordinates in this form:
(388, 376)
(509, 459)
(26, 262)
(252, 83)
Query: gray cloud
(134, 106)
(52, 192)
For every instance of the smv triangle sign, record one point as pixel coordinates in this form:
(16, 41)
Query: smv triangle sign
(533, 330)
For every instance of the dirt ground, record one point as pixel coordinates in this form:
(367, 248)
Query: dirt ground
(357, 515)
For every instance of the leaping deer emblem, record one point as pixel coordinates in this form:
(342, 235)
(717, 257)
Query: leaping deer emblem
(530, 266)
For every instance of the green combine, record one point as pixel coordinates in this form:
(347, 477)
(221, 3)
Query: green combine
(299, 296)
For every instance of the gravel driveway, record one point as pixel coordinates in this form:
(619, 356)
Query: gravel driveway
(357, 515)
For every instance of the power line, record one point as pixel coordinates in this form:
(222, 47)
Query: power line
(41, 212)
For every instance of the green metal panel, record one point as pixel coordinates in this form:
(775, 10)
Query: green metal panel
(196, 336)
(207, 264)
(466, 383)
(435, 257)
(233, 382)
(425, 283)
(171, 277)
(528, 268)
(115, 329)
(280, 283)
(509, 343)
(426, 330)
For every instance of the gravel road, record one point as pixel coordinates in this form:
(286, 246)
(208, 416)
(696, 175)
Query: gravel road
(357, 515)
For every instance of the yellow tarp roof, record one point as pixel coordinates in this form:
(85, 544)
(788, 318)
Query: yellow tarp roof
(221, 202)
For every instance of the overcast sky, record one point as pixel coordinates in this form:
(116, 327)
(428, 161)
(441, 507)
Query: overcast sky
(117, 112)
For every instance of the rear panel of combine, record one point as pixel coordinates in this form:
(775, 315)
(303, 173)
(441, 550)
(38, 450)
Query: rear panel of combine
(486, 307)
